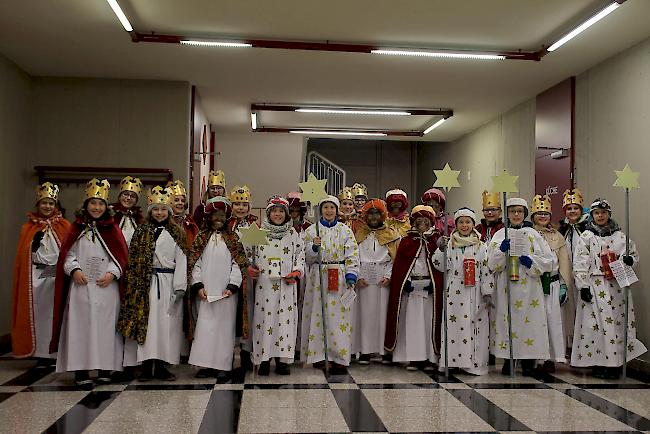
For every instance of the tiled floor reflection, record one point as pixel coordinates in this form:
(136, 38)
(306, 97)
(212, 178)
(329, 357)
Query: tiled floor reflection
(372, 398)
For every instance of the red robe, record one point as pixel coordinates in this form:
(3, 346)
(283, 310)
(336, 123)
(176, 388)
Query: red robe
(407, 253)
(302, 226)
(23, 342)
(114, 241)
(135, 212)
(232, 221)
(483, 229)
(191, 229)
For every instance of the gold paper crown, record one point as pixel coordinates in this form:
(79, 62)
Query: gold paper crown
(129, 183)
(572, 197)
(159, 196)
(359, 190)
(491, 200)
(240, 194)
(177, 188)
(346, 194)
(47, 190)
(217, 178)
(96, 189)
(541, 204)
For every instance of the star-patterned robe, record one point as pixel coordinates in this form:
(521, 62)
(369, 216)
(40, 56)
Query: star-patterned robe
(276, 308)
(467, 311)
(529, 326)
(339, 249)
(600, 325)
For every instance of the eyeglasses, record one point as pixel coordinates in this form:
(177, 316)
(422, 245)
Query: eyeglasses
(516, 211)
(491, 210)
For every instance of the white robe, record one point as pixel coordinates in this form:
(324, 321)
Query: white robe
(165, 323)
(214, 336)
(127, 224)
(276, 308)
(414, 343)
(467, 311)
(251, 254)
(371, 304)
(600, 325)
(529, 324)
(337, 245)
(554, 314)
(43, 292)
(89, 339)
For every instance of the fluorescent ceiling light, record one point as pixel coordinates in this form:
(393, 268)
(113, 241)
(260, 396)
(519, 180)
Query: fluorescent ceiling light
(120, 15)
(215, 43)
(584, 26)
(353, 111)
(254, 121)
(336, 133)
(438, 54)
(434, 126)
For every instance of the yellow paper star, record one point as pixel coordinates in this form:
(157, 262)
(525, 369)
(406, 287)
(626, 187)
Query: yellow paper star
(446, 178)
(313, 190)
(505, 183)
(626, 178)
(254, 236)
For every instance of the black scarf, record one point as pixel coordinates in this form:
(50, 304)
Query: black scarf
(603, 231)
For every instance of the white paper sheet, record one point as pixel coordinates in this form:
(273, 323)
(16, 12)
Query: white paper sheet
(347, 297)
(518, 242)
(624, 274)
(95, 268)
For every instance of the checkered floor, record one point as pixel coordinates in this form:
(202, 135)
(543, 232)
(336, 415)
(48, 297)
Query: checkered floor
(374, 398)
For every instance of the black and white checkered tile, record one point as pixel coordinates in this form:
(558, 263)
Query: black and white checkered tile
(374, 398)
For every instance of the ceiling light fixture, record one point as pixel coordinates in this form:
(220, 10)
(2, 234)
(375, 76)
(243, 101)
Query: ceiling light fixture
(584, 26)
(254, 121)
(438, 54)
(353, 111)
(336, 133)
(198, 43)
(433, 127)
(120, 15)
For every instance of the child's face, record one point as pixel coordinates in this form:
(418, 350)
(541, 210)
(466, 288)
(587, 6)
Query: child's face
(465, 225)
(159, 213)
(46, 207)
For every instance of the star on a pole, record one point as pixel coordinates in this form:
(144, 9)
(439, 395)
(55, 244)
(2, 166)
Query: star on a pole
(446, 178)
(626, 178)
(505, 183)
(313, 190)
(254, 236)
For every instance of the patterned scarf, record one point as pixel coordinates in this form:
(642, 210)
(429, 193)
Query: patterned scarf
(277, 232)
(603, 231)
(458, 240)
(134, 311)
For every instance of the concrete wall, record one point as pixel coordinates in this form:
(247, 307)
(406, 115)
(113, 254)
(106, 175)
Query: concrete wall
(123, 123)
(612, 130)
(81, 122)
(267, 163)
(16, 150)
(505, 142)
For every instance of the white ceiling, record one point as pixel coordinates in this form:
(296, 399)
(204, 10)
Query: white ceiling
(83, 38)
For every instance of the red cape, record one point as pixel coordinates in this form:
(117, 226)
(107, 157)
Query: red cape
(483, 228)
(189, 226)
(113, 240)
(135, 212)
(232, 221)
(23, 339)
(407, 252)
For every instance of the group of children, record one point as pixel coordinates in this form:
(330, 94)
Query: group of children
(122, 290)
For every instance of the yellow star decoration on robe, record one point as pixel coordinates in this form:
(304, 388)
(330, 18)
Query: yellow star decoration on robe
(627, 178)
(529, 342)
(254, 236)
(534, 303)
(505, 183)
(519, 304)
(446, 178)
(313, 190)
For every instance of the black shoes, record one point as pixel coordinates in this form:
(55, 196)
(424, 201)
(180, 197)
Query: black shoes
(264, 369)
(160, 372)
(527, 367)
(282, 368)
(206, 373)
(364, 359)
(245, 359)
(82, 380)
(103, 377)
